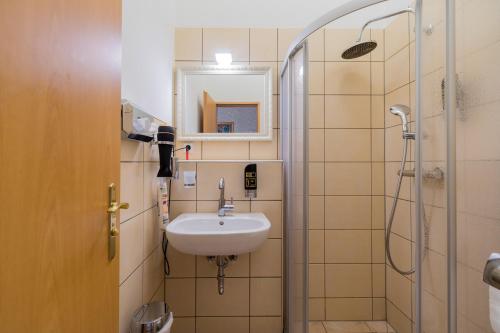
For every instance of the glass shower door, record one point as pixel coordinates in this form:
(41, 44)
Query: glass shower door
(460, 109)
(478, 156)
(294, 127)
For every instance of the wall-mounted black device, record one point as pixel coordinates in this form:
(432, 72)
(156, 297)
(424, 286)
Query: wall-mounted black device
(166, 144)
(251, 181)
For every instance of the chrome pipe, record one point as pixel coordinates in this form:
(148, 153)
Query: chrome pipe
(407, 10)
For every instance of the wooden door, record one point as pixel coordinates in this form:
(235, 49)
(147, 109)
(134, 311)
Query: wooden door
(209, 114)
(59, 151)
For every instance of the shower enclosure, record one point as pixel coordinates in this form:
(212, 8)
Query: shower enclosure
(454, 199)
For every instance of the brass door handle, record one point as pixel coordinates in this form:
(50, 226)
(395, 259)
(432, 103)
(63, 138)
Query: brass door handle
(113, 208)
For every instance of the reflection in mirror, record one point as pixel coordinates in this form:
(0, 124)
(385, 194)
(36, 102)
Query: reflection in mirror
(224, 103)
(229, 117)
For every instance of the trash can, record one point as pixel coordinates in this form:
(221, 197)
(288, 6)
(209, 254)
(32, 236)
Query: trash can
(152, 318)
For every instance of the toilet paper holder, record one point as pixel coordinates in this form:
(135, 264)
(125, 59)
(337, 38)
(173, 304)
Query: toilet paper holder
(491, 274)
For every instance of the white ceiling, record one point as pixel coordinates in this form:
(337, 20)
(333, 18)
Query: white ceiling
(272, 13)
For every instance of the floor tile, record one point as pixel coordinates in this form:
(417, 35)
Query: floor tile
(347, 327)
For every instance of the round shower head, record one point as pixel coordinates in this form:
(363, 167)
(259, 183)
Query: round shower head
(359, 50)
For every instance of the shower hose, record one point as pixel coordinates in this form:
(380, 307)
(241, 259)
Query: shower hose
(393, 211)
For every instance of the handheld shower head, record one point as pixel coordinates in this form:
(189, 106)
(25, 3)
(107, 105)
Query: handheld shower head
(402, 111)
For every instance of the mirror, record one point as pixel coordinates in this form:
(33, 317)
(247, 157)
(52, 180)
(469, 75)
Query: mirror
(230, 103)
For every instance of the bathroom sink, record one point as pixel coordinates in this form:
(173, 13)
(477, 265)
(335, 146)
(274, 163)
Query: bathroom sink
(207, 234)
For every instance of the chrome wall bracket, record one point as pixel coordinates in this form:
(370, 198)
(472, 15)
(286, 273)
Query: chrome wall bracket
(491, 274)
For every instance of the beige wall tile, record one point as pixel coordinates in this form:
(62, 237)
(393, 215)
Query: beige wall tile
(188, 44)
(131, 246)
(379, 312)
(266, 325)
(316, 246)
(265, 296)
(316, 178)
(377, 76)
(226, 150)
(265, 150)
(397, 70)
(346, 145)
(352, 280)
(342, 111)
(377, 110)
(316, 212)
(393, 144)
(316, 111)
(220, 40)
(131, 151)
(316, 145)
(130, 299)
(316, 280)
(263, 44)
(396, 35)
(276, 112)
(184, 325)
(378, 178)
(398, 320)
(152, 232)
(391, 169)
(274, 69)
(348, 212)
(347, 246)
(348, 178)
(266, 260)
(401, 224)
(401, 252)
(238, 268)
(181, 264)
(348, 309)
(234, 302)
(347, 78)
(378, 145)
(131, 188)
(285, 38)
(399, 291)
(208, 180)
(316, 46)
(378, 276)
(316, 78)
(180, 295)
(222, 324)
(378, 246)
(179, 207)
(273, 211)
(316, 309)
(152, 274)
(150, 184)
(412, 62)
(338, 40)
(179, 192)
(378, 212)
(377, 35)
(270, 183)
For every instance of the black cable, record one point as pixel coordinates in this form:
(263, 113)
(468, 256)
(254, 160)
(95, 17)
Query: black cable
(164, 245)
(166, 264)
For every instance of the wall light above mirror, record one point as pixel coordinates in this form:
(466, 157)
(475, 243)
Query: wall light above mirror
(229, 103)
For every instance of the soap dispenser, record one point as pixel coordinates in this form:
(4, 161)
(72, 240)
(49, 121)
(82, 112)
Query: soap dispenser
(251, 181)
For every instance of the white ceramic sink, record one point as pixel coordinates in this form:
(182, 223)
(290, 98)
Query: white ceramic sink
(207, 234)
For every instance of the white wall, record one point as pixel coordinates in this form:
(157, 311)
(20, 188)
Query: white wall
(147, 55)
(270, 13)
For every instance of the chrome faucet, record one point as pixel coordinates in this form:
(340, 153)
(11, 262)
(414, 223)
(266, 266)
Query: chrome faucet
(223, 207)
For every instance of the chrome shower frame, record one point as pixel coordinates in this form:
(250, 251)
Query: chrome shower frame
(341, 11)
